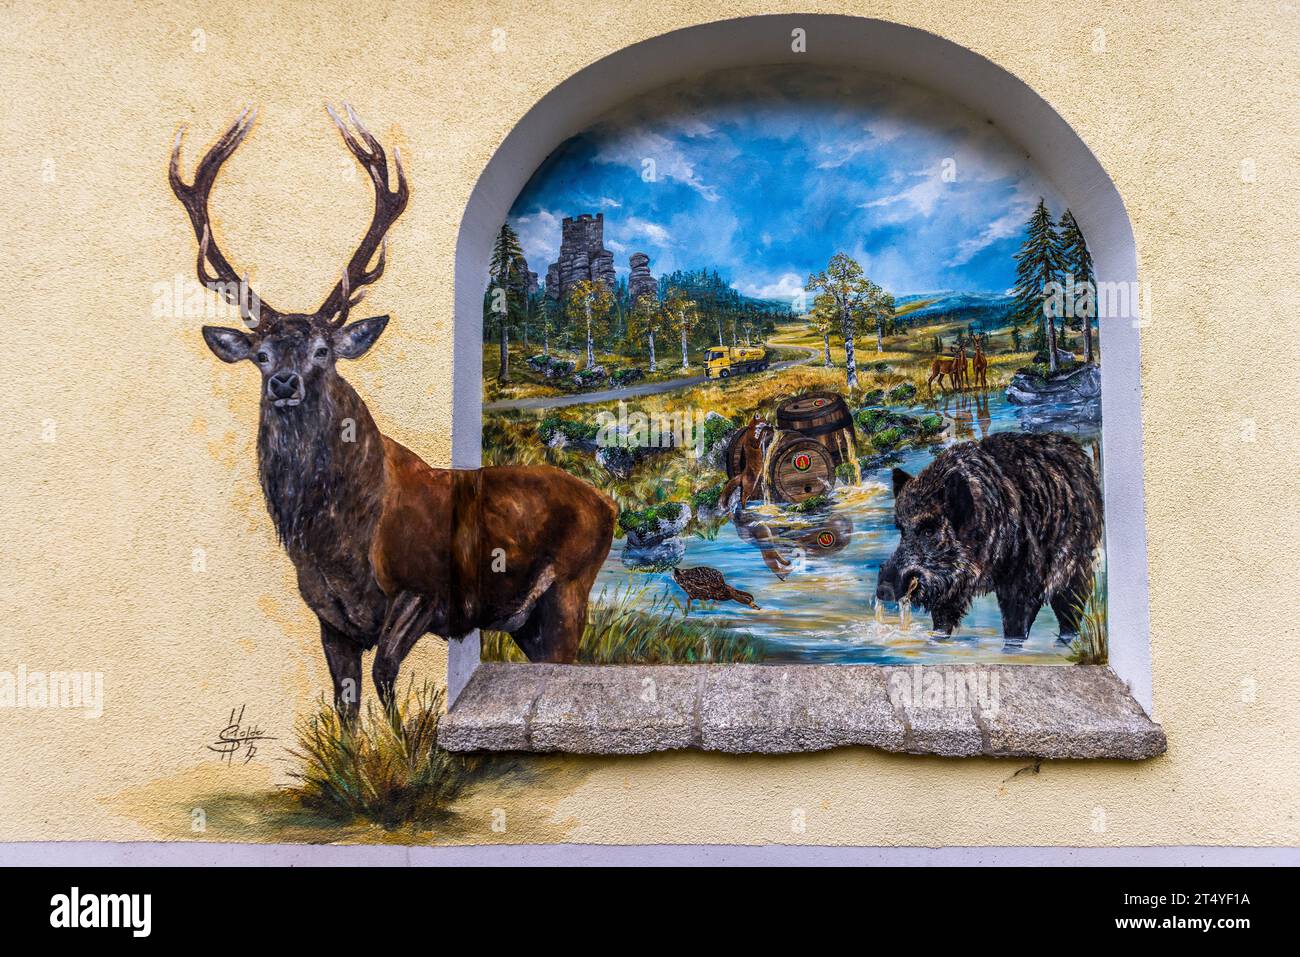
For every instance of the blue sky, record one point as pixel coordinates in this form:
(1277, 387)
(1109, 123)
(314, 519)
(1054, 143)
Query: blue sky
(765, 173)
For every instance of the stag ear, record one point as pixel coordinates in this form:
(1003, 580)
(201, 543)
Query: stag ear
(355, 340)
(228, 345)
(959, 502)
(901, 478)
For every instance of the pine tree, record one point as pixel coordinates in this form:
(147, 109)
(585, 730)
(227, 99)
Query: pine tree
(506, 255)
(1077, 262)
(1037, 266)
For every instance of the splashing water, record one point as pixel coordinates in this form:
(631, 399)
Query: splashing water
(848, 447)
(767, 464)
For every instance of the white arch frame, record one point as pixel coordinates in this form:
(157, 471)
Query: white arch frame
(880, 47)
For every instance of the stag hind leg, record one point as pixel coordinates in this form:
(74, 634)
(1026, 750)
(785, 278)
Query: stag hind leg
(343, 656)
(553, 631)
(409, 617)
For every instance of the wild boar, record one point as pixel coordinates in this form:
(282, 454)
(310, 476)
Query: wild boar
(1016, 514)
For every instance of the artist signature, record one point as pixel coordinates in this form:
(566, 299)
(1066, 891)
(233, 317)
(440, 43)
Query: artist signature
(236, 739)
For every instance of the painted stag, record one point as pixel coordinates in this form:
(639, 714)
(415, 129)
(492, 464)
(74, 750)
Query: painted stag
(386, 548)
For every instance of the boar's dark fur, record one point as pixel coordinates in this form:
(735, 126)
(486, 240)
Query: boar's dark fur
(1017, 514)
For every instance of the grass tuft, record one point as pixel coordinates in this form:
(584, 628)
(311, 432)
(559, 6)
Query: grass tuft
(1092, 646)
(627, 628)
(387, 770)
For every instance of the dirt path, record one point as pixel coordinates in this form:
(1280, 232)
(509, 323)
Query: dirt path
(631, 392)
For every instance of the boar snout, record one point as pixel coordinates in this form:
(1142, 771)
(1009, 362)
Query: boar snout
(888, 585)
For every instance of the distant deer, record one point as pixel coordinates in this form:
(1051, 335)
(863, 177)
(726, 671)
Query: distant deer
(980, 366)
(386, 548)
(953, 366)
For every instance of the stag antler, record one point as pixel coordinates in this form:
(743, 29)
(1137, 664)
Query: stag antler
(194, 197)
(388, 206)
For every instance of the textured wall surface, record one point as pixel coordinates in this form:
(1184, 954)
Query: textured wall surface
(128, 447)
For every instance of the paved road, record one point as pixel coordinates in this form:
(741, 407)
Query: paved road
(631, 392)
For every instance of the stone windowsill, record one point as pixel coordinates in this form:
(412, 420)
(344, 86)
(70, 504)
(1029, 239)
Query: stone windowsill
(1039, 711)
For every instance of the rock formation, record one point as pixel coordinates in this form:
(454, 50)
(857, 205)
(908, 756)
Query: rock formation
(582, 256)
(639, 281)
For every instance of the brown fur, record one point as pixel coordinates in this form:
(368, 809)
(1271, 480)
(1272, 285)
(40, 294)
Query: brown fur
(386, 548)
(980, 367)
(954, 367)
(750, 479)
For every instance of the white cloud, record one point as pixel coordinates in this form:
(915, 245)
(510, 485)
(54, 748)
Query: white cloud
(921, 197)
(785, 287)
(637, 228)
(1005, 226)
(635, 146)
(539, 237)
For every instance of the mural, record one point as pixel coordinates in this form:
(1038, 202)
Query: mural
(386, 548)
(828, 343)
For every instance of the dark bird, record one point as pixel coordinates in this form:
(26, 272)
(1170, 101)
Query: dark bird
(707, 584)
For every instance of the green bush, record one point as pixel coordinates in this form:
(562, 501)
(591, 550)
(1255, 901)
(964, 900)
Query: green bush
(816, 503)
(716, 428)
(646, 521)
(902, 393)
(887, 439)
(931, 424)
(707, 497)
(571, 429)
(872, 420)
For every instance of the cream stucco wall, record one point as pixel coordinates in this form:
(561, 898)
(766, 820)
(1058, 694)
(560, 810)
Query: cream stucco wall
(127, 446)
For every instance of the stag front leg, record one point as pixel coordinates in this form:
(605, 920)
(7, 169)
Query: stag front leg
(409, 616)
(343, 656)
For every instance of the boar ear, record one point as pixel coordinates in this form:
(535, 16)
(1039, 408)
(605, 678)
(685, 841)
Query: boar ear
(959, 503)
(901, 478)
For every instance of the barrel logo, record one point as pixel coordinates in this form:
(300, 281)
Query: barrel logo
(802, 462)
(826, 539)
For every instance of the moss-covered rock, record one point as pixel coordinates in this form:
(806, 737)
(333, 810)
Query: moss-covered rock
(559, 432)
(902, 393)
(887, 439)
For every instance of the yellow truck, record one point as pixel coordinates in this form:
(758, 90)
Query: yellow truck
(722, 362)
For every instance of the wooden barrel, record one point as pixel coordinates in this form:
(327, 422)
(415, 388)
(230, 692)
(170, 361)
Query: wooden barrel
(823, 416)
(801, 468)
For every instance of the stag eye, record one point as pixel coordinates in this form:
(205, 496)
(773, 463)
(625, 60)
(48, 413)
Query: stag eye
(263, 358)
(322, 352)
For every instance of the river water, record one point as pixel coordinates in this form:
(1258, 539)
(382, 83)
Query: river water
(824, 609)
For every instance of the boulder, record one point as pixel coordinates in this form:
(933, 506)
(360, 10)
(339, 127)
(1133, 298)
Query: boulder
(1081, 385)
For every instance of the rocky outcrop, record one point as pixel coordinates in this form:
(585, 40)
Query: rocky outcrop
(582, 256)
(639, 281)
(1081, 385)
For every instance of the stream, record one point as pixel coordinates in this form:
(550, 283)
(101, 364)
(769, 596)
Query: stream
(824, 610)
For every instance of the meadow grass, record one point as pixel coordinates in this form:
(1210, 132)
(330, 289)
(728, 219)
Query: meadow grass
(1092, 646)
(386, 769)
(626, 627)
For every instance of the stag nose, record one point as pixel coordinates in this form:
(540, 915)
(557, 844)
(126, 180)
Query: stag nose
(885, 591)
(283, 385)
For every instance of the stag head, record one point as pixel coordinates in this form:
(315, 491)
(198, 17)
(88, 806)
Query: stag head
(295, 352)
